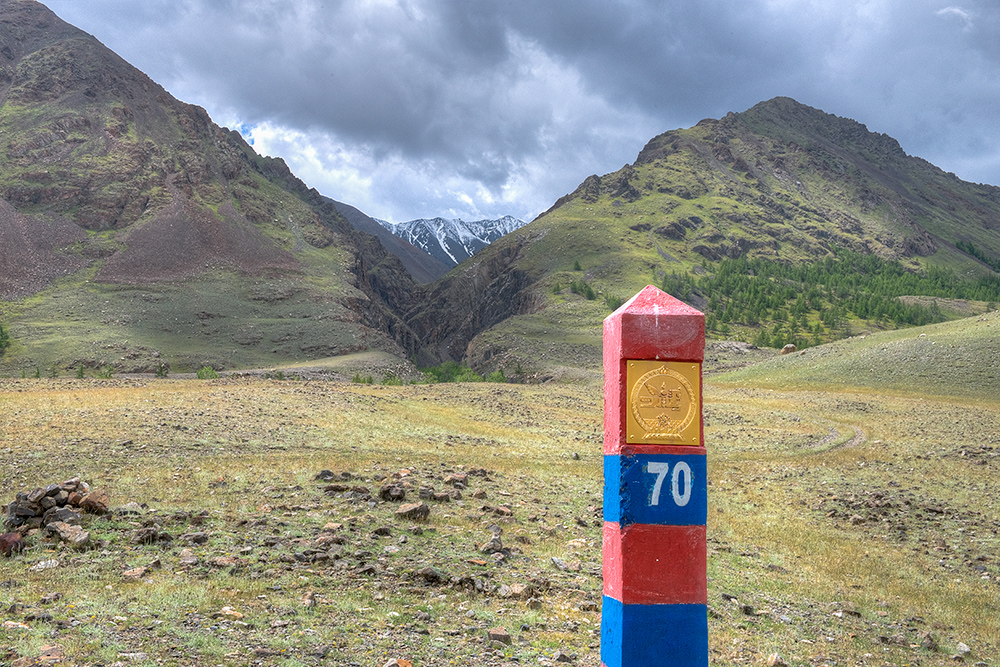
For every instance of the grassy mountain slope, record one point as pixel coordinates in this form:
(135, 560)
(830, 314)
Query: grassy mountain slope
(136, 231)
(781, 184)
(956, 358)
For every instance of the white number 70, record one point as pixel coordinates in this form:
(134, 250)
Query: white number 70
(661, 469)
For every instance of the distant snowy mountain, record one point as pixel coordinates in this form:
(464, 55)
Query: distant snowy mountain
(452, 241)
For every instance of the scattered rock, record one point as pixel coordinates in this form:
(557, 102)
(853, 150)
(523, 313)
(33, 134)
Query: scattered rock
(559, 656)
(493, 545)
(775, 660)
(50, 655)
(96, 502)
(456, 480)
(392, 493)
(45, 565)
(398, 662)
(135, 573)
(413, 511)
(563, 566)
(75, 536)
(499, 635)
(187, 558)
(431, 575)
(131, 509)
(11, 543)
(147, 535)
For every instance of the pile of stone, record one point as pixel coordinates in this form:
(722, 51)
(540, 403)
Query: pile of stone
(57, 509)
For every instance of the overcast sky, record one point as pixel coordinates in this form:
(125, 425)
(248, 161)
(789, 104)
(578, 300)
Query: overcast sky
(478, 108)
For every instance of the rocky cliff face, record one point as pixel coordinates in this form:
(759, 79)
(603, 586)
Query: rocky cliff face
(484, 292)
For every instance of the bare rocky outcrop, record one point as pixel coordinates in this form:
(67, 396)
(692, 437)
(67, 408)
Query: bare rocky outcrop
(489, 290)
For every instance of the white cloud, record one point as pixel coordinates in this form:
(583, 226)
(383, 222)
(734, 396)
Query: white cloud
(958, 12)
(410, 108)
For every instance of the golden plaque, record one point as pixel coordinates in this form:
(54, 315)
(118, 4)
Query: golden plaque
(664, 403)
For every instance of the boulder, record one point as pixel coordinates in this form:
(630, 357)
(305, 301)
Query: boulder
(75, 536)
(413, 511)
(11, 543)
(96, 502)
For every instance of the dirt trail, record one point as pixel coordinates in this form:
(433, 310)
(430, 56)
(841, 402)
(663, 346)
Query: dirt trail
(859, 438)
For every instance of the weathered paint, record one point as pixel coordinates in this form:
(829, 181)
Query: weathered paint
(655, 564)
(656, 489)
(629, 488)
(654, 326)
(663, 634)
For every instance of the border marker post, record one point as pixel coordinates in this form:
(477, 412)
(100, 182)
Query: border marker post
(655, 609)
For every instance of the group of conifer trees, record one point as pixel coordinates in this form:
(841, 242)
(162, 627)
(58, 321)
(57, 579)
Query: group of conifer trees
(807, 304)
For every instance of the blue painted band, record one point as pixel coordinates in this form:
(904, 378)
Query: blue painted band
(640, 635)
(656, 489)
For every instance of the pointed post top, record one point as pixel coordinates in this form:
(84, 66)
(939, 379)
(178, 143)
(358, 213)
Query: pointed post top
(653, 301)
(655, 325)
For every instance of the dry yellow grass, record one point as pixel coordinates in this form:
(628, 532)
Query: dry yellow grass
(843, 528)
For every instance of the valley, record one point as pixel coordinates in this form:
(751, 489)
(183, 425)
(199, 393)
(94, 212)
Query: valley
(241, 363)
(849, 524)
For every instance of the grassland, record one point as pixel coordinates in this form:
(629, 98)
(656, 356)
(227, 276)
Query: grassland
(220, 319)
(848, 524)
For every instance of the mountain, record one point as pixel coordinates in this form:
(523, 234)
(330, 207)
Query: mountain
(424, 267)
(779, 202)
(134, 230)
(452, 241)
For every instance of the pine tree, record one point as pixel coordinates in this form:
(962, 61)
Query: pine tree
(4, 339)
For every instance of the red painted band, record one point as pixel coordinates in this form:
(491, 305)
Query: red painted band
(655, 325)
(655, 564)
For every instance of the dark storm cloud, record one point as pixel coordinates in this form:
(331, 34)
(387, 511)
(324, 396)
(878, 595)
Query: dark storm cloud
(421, 107)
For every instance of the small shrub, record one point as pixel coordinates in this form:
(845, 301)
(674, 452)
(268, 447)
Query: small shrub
(450, 371)
(4, 339)
(362, 379)
(161, 370)
(583, 289)
(106, 373)
(496, 376)
(557, 288)
(80, 372)
(468, 375)
(390, 379)
(613, 302)
(576, 266)
(207, 373)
